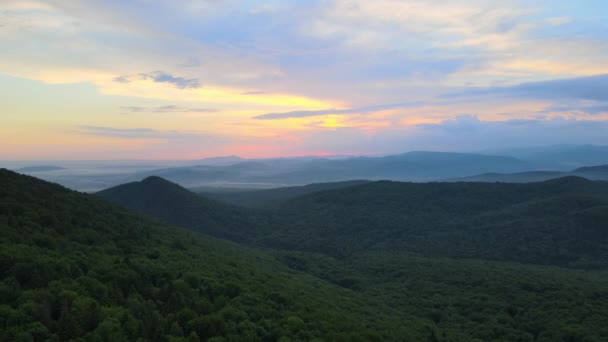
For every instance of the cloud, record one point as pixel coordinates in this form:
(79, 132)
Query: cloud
(145, 133)
(557, 21)
(131, 133)
(154, 143)
(470, 133)
(306, 56)
(462, 133)
(312, 113)
(121, 79)
(167, 109)
(594, 109)
(161, 77)
(253, 93)
(179, 82)
(390, 24)
(581, 88)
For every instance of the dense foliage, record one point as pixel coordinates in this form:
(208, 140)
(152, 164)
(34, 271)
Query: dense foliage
(473, 300)
(269, 198)
(559, 222)
(171, 203)
(367, 262)
(369, 238)
(73, 266)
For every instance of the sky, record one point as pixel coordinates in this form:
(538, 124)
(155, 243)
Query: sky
(162, 79)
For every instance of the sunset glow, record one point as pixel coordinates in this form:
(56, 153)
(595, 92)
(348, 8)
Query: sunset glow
(158, 80)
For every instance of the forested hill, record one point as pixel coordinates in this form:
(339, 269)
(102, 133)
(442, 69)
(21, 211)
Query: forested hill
(171, 203)
(73, 266)
(560, 222)
(268, 198)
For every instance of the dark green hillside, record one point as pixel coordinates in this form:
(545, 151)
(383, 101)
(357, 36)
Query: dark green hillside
(464, 300)
(172, 203)
(474, 300)
(559, 222)
(268, 198)
(73, 266)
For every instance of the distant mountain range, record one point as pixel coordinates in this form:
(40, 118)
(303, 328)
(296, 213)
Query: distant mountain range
(588, 172)
(412, 166)
(521, 165)
(560, 157)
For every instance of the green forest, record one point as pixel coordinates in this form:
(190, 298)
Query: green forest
(378, 261)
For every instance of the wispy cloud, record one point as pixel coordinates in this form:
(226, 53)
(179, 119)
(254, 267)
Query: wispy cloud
(557, 21)
(304, 59)
(131, 133)
(162, 77)
(463, 133)
(593, 109)
(583, 88)
(180, 82)
(312, 113)
(167, 109)
(253, 93)
(143, 133)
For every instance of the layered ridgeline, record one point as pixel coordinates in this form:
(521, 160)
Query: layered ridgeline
(599, 172)
(74, 266)
(562, 222)
(269, 198)
(359, 238)
(411, 166)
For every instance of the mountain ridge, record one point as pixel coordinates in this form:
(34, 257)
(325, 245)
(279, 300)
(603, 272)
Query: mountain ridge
(74, 266)
(433, 219)
(77, 267)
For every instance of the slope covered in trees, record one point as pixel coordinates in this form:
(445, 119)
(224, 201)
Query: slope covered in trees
(268, 198)
(473, 300)
(171, 203)
(561, 222)
(74, 266)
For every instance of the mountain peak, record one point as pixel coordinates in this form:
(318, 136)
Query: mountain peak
(156, 180)
(598, 168)
(569, 181)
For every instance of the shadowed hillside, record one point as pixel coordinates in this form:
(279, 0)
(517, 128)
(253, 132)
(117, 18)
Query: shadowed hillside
(268, 198)
(369, 238)
(560, 222)
(172, 203)
(74, 266)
